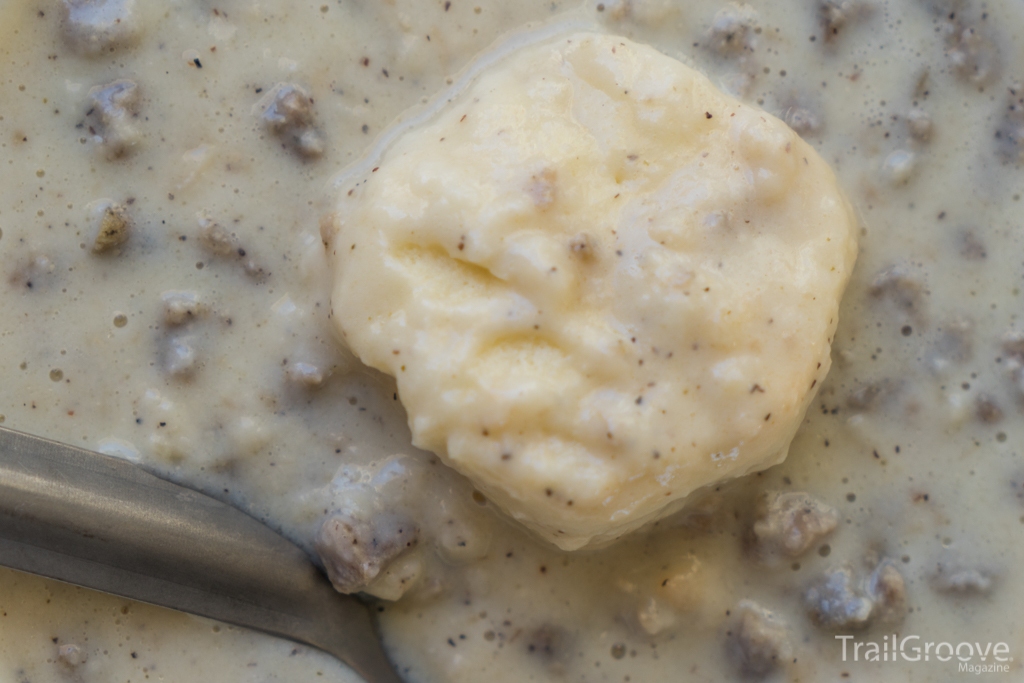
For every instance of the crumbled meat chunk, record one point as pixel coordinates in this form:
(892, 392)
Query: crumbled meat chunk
(903, 289)
(961, 581)
(684, 585)
(803, 120)
(836, 603)
(355, 547)
(642, 12)
(705, 513)
(1017, 484)
(304, 374)
(1010, 132)
(840, 602)
(790, 523)
(173, 431)
(217, 241)
(35, 271)
(254, 270)
(971, 246)
(113, 109)
(551, 643)
(399, 577)
(870, 395)
(654, 616)
(972, 53)
(181, 307)
(1013, 349)
(899, 167)
(1013, 345)
(180, 357)
(370, 527)
(987, 410)
(888, 592)
(758, 641)
(732, 31)
(287, 111)
(919, 125)
(92, 27)
(954, 344)
(733, 36)
(113, 229)
(71, 656)
(833, 15)
(802, 111)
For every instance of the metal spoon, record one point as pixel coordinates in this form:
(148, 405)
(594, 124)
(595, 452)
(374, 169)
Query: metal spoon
(101, 522)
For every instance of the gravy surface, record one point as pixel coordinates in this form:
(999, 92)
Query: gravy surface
(167, 293)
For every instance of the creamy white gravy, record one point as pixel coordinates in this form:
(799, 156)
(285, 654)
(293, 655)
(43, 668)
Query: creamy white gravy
(220, 369)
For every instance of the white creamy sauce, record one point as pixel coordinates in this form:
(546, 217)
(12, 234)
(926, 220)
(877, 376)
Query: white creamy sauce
(166, 298)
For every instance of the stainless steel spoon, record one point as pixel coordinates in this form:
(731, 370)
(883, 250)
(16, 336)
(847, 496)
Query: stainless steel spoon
(104, 523)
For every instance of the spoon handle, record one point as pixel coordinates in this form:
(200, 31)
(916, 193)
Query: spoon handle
(104, 523)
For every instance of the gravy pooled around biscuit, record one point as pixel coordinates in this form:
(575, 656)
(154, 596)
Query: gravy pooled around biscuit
(600, 283)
